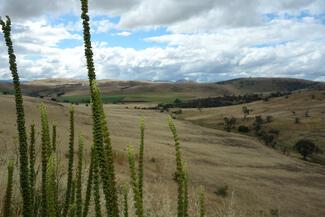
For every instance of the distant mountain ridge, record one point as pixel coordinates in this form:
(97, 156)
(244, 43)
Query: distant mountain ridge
(149, 90)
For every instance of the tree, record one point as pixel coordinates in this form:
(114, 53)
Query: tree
(306, 147)
(246, 111)
(258, 123)
(229, 123)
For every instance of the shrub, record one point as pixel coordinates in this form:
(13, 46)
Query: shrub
(258, 123)
(222, 191)
(274, 131)
(297, 120)
(243, 129)
(229, 123)
(246, 111)
(269, 119)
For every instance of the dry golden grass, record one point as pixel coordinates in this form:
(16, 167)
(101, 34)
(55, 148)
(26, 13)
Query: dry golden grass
(261, 178)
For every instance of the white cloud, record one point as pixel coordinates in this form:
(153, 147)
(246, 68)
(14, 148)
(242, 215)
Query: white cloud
(206, 40)
(124, 34)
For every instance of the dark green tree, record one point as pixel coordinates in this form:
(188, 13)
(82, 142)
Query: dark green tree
(306, 148)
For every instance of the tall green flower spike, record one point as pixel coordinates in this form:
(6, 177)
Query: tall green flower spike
(134, 183)
(180, 176)
(68, 195)
(45, 157)
(32, 158)
(141, 159)
(23, 145)
(7, 200)
(79, 177)
(89, 186)
(125, 200)
(96, 183)
(202, 201)
(51, 185)
(106, 166)
(54, 138)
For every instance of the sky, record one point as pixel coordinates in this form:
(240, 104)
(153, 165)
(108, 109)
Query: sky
(199, 40)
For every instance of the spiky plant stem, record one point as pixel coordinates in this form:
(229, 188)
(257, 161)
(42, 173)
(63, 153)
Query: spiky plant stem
(180, 177)
(23, 146)
(32, 158)
(70, 165)
(96, 181)
(7, 200)
(106, 168)
(45, 157)
(113, 203)
(134, 183)
(52, 187)
(54, 138)
(141, 159)
(125, 200)
(89, 186)
(79, 177)
(202, 202)
(185, 193)
(72, 211)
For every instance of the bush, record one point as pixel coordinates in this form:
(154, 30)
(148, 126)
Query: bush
(269, 118)
(222, 191)
(258, 123)
(229, 123)
(297, 120)
(243, 129)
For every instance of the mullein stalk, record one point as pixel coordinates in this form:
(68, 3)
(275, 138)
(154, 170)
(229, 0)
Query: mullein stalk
(52, 187)
(7, 200)
(186, 198)
(45, 157)
(134, 183)
(202, 201)
(32, 158)
(68, 195)
(106, 170)
(89, 186)
(54, 138)
(141, 159)
(23, 145)
(179, 170)
(113, 203)
(105, 165)
(96, 183)
(72, 211)
(79, 177)
(125, 200)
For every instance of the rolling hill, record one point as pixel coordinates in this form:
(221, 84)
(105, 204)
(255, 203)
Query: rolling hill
(160, 92)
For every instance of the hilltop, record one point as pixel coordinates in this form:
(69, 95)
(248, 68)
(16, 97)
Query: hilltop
(160, 92)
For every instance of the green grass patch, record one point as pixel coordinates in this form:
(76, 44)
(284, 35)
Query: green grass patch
(7, 91)
(86, 99)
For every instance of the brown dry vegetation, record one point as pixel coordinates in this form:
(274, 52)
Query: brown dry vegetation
(261, 178)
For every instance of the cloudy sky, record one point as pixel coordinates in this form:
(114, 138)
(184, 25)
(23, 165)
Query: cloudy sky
(201, 40)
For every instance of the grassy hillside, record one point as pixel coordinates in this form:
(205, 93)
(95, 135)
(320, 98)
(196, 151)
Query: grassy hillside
(260, 178)
(159, 92)
(307, 106)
